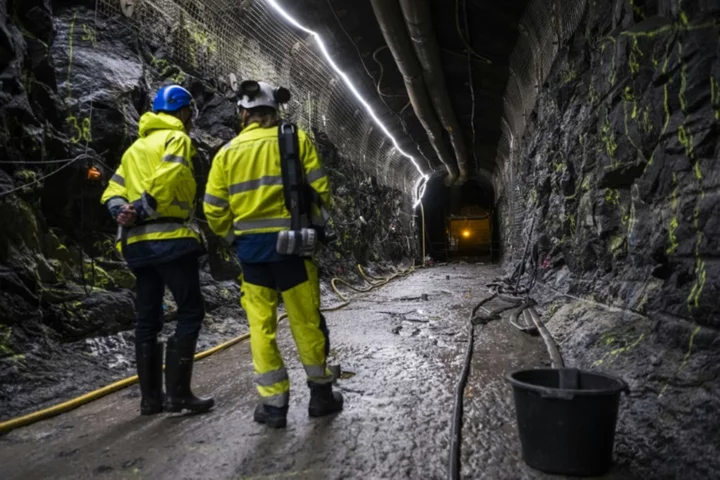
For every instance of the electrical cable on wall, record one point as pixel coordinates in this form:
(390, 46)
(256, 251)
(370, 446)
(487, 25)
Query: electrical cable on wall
(382, 74)
(469, 47)
(471, 82)
(40, 179)
(378, 82)
(36, 162)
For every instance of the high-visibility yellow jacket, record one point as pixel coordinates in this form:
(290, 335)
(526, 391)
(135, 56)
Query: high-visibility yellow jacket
(157, 170)
(244, 193)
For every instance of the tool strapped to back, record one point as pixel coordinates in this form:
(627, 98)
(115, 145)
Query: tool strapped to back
(302, 237)
(294, 187)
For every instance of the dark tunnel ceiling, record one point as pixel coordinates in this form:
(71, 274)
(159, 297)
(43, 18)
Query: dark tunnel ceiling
(356, 43)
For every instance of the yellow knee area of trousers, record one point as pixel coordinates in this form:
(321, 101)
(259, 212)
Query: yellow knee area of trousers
(260, 304)
(275, 389)
(302, 303)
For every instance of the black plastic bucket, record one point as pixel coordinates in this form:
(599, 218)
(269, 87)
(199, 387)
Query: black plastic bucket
(566, 419)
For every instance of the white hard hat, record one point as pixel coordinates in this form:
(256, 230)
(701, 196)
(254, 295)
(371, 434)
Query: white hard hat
(261, 94)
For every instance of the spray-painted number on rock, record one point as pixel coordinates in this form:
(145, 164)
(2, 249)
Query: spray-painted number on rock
(80, 129)
(89, 35)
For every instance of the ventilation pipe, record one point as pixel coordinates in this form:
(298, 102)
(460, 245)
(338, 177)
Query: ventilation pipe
(420, 26)
(390, 19)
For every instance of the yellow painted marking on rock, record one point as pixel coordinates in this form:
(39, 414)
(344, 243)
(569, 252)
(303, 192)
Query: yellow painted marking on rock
(635, 54)
(5, 334)
(613, 354)
(608, 138)
(683, 79)
(670, 28)
(698, 174)
(700, 279)
(594, 97)
(637, 10)
(685, 20)
(81, 128)
(686, 139)
(89, 35)
(70, 53)
(673, 237)
(682, 365)
(612, 196)
(674, 224)
(630, 98)
(715, 96)
(613, 69)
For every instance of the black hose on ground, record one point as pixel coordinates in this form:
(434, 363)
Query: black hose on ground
(533, 326)
(528, 327)
(555, 357)
(456, 429)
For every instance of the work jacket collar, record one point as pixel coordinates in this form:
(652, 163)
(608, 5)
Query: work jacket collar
(159, 121)
(253, 127)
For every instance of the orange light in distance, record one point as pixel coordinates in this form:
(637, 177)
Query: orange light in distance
(466, 233)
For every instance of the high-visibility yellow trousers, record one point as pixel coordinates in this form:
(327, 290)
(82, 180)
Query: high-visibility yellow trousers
(297, 280)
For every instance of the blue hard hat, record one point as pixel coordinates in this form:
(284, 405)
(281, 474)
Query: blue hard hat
(171, 99)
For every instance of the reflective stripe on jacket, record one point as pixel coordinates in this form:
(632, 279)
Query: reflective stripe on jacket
(157, 169)
(244, 193)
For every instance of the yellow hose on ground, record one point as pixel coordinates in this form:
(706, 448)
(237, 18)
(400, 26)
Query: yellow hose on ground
(100, 392)
(126, 382)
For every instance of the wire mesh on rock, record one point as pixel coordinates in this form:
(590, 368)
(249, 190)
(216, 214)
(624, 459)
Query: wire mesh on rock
(545, 25)
(247, 39)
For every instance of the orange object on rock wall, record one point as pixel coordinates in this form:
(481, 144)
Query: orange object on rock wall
(94, 174)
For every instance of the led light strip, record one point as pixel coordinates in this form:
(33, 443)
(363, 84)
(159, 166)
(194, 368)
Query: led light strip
(420, 189)
(420, 186)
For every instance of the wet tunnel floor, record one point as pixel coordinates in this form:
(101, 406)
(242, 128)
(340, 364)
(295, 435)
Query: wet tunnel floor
(403, 356)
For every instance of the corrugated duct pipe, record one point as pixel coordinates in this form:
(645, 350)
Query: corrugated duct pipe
(390, 19)
(420, 26)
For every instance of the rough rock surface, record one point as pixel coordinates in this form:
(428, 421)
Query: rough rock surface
(73, 89)
(618, 164)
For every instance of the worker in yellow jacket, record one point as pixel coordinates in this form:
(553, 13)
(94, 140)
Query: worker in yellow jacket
(245, 204)
(152, 197)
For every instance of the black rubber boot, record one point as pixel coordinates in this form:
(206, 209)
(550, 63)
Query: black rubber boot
(273, 417)
(323, 401)
(178, 375)
(149, 359)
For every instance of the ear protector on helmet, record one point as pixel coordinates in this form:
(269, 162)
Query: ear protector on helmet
(282, 95)
(249, 88)
(257, 94)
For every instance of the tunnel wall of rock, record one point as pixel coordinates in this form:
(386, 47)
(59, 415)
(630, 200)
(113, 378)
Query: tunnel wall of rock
(618, 171)
(72, 88)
